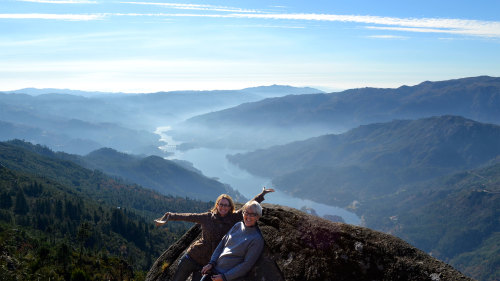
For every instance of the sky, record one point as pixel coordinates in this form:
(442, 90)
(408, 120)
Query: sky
(137, 46)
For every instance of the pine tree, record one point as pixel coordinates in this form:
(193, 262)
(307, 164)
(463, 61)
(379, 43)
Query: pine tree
(21, 207)
(84, 232)
(5, 201)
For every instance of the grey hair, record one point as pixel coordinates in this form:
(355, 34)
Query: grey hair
(254, 206)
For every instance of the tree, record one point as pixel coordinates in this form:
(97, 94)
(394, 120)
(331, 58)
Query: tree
(63, 254)
(59, 209)
(79, 275)
(84, 232)
(21, 207)
(5, 201)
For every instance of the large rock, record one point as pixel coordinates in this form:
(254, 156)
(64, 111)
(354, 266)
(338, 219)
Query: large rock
(302, 247)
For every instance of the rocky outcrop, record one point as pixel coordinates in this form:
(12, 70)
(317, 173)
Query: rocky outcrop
(302, 247)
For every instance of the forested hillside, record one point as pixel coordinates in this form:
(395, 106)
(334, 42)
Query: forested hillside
(64, 222)
(285, 119)
(375, 160)
(455, 218)
(433, 182)
(164, 176)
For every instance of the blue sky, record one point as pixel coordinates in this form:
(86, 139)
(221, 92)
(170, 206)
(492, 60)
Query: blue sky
(160, 45)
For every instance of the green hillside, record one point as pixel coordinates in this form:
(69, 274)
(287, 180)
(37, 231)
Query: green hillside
(375, 160)
(456, 219)
(391, 174)
(64, 222)
(152, 172)
(164, 176)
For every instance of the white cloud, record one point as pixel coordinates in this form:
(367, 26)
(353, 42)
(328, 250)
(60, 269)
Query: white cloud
(199, 7)
(268, 26)
(452, 26)
(61, 1)
(490, 29)
(411, 29)
(426, 25)
(387, 37)
(67, 17)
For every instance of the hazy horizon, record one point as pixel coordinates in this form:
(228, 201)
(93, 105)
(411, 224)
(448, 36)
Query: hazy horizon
(152, 46)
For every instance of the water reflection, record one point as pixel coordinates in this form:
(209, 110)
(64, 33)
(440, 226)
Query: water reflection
(213, 163)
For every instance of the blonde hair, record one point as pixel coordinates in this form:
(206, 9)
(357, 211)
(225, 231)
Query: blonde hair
(223, 196)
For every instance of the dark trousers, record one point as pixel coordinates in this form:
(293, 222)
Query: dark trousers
(208, 277)
(185, 268)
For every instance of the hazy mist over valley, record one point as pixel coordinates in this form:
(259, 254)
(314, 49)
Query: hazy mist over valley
(377, 124)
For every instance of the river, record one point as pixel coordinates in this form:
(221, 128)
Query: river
(213, 163)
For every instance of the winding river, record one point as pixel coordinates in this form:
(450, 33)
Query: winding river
(213, 163)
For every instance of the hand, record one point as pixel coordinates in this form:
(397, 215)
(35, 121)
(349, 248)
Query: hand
(217, 277)
(268, 190)
(159, 222)
(206, 269)
(163, 220)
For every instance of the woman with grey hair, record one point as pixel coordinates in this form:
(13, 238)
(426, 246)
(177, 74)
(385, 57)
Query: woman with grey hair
(240, 248)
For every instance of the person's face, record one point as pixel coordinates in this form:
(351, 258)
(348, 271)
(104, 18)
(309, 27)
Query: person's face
(250, 217)
(223, 207)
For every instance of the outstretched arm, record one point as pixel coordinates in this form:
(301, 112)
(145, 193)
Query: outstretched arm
(190, 217)
(260, 197)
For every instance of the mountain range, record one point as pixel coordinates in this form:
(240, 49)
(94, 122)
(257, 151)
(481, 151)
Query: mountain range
(374, 160)
(420, 162)
(80, 122)
(283, 119)
(432, 181)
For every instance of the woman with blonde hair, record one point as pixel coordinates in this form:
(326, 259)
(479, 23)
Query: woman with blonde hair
(214, 225)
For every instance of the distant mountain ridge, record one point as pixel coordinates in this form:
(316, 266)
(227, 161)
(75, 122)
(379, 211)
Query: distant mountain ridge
(44, 91)
(270, 90)
(375, 159)
(52, 120)
(302, 116)
(476, 98)
(80, 122)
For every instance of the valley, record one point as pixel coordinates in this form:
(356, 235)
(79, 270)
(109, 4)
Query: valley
(418, 162)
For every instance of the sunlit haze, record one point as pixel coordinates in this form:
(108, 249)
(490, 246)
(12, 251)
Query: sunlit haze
(149, 46)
